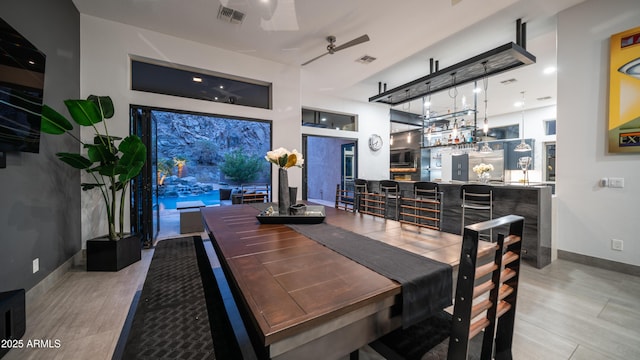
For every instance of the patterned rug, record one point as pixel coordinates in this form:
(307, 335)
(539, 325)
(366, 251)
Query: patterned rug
(179, 308)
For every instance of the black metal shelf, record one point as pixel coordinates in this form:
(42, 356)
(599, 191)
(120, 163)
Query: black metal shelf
(448, 145)
(498, 60)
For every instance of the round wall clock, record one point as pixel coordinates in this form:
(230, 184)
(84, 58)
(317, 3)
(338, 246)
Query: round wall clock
(375, 142)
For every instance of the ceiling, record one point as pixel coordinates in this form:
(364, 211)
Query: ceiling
(404, 35)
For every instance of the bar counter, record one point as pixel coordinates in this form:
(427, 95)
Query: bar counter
(533, 202)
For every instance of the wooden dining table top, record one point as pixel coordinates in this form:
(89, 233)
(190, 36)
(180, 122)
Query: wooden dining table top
(291, 283)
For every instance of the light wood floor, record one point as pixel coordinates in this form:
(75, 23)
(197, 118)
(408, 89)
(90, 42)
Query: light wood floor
(564, 311)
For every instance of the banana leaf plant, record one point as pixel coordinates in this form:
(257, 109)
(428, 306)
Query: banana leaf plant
(110, 161)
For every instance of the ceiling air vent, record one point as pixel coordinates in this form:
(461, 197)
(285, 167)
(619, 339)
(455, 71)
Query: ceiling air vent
(366, 59)
(230, 15)
(508, 81)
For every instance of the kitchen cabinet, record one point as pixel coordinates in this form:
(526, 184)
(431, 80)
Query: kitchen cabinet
(460, 169)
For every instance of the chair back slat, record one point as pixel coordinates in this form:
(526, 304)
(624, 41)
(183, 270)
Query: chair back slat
(345, 199)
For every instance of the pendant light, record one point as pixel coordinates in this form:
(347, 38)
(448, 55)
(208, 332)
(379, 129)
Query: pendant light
(426, 114)
(485, 149)
(455, 96)
(523, 146)
(454, 134)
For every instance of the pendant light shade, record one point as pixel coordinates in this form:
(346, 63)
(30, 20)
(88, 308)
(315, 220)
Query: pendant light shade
(486, 149)
(523, 146)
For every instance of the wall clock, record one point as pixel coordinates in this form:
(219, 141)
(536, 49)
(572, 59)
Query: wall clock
(375, 142)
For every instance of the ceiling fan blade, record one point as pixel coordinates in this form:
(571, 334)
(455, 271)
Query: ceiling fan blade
(360, 40)
(315, 58)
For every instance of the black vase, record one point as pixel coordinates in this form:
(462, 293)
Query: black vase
(283, 192)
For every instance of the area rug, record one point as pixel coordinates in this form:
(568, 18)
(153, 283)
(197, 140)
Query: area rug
(179, 314)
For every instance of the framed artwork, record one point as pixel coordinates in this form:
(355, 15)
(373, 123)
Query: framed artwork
(624, 92)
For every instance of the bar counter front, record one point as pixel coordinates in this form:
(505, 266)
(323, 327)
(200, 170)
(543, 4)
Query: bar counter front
(302, 300)
(533, 202)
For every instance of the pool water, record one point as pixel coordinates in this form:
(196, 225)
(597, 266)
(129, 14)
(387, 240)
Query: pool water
(169, 203)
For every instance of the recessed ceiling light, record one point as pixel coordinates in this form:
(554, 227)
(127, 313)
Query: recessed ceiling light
(221, 86)
(549, 70)
(197, 79)
(323, 119)
(518, 104)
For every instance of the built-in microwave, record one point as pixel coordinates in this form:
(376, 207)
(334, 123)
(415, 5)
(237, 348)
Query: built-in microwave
(402, 158)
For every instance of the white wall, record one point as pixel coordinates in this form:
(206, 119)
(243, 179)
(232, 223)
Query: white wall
(372, 119)
(590, 216)
(105, 70)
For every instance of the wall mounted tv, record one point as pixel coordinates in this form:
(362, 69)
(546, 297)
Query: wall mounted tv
(21, 91)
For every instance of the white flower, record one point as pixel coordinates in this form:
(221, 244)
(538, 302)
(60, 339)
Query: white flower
(482, 168)
(299, 159)
(284, 158)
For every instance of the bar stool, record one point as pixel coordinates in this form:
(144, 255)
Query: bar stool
(360, 187)
(391, 191)
(427, 190)
(476, 197)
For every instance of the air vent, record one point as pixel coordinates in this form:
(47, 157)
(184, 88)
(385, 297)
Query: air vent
(366, 59)
(508, 81)
(544, 98)
(230, 15)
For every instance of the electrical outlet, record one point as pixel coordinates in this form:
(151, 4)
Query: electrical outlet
(36, 265)
(616, 182)
(616, 244)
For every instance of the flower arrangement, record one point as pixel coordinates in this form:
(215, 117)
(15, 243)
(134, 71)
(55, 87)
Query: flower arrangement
(482, 168)
(285, 158)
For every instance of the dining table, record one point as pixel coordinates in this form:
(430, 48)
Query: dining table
(313, 291)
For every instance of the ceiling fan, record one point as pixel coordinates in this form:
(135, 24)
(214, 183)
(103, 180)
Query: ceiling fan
(332, 48)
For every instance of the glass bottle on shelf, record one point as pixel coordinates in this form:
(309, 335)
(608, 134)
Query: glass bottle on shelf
(462, 123)
(457, 140)
(449, 140)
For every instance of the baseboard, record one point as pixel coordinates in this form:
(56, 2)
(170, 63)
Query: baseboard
(600, 263)
(51, 280)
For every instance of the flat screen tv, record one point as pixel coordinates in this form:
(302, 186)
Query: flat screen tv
(21, 91)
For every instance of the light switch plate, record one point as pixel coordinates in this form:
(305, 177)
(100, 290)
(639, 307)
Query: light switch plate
(616, 182)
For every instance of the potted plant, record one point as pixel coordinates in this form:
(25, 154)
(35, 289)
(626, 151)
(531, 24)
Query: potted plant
(111, 162)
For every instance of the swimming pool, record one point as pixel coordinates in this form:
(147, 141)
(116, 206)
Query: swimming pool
(168, 203)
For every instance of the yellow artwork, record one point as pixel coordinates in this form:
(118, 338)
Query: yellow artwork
(624, 92)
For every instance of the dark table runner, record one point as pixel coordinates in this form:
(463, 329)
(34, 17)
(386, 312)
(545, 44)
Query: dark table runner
(426, 283)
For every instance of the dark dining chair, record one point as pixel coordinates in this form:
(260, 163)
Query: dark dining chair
(481, 326)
